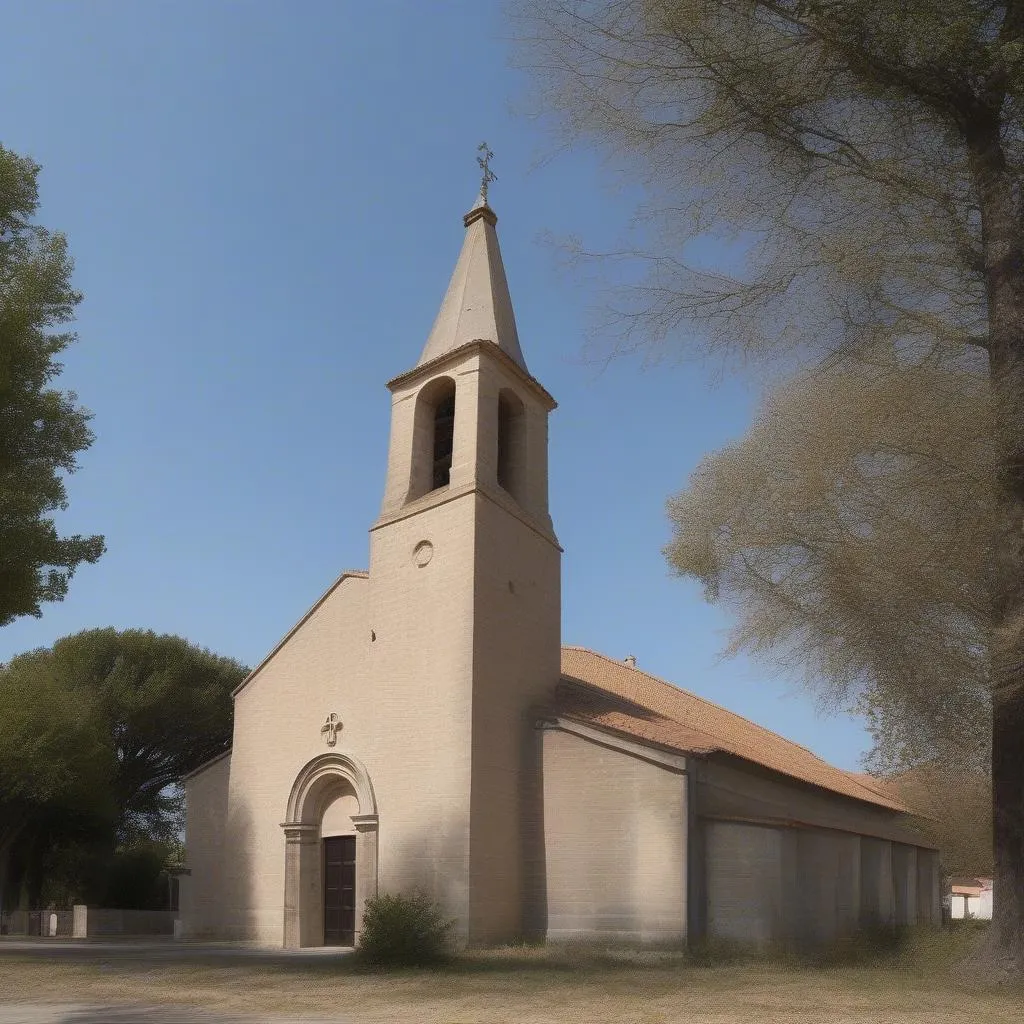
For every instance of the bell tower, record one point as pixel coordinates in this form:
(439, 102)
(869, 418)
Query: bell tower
(465, 608)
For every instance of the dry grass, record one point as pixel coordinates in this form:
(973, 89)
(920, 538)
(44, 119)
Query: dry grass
(536, 986)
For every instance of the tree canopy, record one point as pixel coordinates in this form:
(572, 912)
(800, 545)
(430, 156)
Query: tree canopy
(98, 731)
(42, 430)
(164, 705)
(954, 810)
(849, 531)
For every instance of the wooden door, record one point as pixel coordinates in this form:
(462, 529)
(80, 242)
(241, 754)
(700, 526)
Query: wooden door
(340, 891)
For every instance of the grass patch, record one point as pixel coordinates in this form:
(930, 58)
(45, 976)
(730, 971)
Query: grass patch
(908, 982)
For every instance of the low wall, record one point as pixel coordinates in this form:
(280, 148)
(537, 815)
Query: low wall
(92, 922)
(51, 923)
(87, 922)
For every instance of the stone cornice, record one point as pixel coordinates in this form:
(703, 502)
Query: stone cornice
(483, 346)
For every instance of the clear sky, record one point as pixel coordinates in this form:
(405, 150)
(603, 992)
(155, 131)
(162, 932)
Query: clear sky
(264, 203)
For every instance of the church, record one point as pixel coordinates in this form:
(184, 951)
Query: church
(422, 726)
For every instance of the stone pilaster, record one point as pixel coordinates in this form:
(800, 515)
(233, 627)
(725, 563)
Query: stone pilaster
(366, 864)
(301, 845)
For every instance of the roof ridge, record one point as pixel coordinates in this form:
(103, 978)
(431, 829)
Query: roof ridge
(703, 700)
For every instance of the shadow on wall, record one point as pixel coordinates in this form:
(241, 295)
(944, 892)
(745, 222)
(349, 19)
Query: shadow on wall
(535, 903)
(435, 860)
(240, 896)
(222, 909)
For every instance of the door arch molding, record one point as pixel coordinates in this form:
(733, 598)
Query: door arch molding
(318, 782)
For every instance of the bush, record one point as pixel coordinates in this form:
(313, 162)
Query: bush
(403, 930)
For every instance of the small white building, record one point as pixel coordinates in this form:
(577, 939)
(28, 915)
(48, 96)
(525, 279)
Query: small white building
(971, 898)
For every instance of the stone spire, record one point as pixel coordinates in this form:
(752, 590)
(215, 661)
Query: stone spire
(477, 305)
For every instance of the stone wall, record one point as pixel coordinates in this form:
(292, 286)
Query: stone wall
(201, 893)
(614, 834)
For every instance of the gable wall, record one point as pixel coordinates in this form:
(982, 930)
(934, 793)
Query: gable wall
(278, 716)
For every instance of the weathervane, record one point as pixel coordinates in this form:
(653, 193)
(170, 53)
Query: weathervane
(485, 166)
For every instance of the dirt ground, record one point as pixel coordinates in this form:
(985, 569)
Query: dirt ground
(526, 986)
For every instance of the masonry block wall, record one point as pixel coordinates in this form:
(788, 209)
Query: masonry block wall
(746, 882)
(811, 877)
(279, 713)
(206, 810)
(877, 906)
(615, 836)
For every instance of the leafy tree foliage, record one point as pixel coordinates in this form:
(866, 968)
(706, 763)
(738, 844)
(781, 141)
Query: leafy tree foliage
(164, 705)
(42, 430)
(954, 810)
(95, 733)
(56, 768)
(866, 160)
(849, 530)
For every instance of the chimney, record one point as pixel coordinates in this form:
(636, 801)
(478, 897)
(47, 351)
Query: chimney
(630, 660)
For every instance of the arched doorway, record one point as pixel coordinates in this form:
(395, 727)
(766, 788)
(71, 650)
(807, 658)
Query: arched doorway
(331, 785)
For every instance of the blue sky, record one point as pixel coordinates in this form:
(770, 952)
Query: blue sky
(264, 204)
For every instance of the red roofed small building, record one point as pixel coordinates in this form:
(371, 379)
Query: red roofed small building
(971, 898)
(422, 725)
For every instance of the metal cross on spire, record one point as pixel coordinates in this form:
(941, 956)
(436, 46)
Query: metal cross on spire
(485, 166)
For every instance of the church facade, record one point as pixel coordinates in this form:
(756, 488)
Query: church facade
(422, 726)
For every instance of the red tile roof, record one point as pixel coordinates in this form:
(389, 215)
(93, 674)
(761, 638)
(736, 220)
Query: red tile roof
(614, 696)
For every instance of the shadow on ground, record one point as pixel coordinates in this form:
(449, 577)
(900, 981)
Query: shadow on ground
(147, 1015)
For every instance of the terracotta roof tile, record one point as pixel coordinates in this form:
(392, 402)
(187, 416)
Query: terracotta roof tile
(965, 890)
(612, 694)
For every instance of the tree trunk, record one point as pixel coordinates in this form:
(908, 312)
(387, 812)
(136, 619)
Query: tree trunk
(1004, 272)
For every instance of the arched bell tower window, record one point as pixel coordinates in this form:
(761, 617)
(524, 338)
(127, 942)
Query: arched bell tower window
(433, 438)
(511, 443)
(444, 439)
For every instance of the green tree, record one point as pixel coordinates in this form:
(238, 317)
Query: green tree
(95, 735)
(56, 764)
(865, 158)
(165, 707)
(41, 429)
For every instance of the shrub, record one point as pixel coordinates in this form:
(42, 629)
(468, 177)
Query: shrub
(403, 930)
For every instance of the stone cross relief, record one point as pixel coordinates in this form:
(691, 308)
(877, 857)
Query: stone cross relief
(331, 728)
